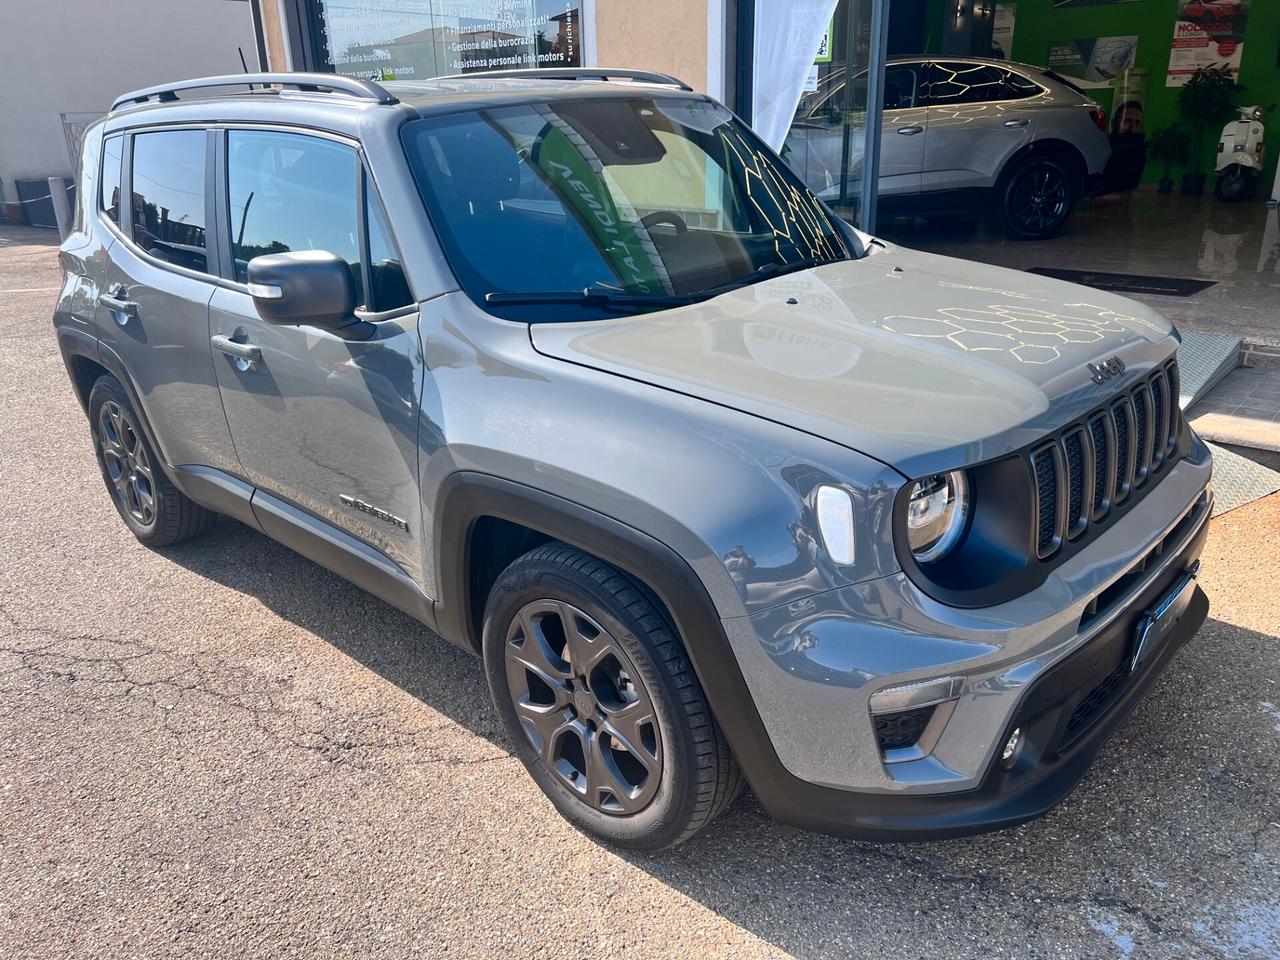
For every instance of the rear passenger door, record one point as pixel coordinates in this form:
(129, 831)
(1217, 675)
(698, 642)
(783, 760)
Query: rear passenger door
(153, 307)
(978, 117)
(327, 425)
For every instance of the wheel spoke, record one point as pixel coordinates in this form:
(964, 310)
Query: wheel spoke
(583, 638)
(603, 777)
(541, 725)
(532, 649)
(635, 730)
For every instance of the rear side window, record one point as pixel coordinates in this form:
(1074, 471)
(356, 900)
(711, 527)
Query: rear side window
(109, 177)
(289, 191)
(168, 197)
(966, 83)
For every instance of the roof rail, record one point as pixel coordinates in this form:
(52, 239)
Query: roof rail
(573, 73)
(326, 82)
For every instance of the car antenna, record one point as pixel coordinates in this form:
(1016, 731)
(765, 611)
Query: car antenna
(243, 66)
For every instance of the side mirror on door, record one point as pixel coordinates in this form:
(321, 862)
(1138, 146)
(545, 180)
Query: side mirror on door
(311, 287)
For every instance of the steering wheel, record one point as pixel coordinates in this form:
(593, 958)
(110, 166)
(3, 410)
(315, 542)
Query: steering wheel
(665, 216)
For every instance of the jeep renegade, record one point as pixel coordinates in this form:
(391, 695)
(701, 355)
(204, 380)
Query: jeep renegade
(573, 369)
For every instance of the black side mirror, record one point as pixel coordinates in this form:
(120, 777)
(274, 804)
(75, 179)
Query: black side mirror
(310, 287)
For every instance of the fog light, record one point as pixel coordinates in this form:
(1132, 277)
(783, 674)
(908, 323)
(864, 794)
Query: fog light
(1012, 747)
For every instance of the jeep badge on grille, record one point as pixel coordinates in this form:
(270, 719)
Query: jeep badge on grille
(1108, 368)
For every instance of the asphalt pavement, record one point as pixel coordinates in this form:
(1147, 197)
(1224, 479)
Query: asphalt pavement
(222, 750)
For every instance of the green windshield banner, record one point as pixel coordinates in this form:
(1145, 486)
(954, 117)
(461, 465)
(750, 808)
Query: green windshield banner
(566, 168)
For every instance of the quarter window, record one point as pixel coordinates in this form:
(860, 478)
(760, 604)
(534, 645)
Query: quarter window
(388, 289)
(289, 191)
(109, 176)
(168, 197)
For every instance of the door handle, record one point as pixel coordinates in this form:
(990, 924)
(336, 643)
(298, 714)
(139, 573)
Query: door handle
(120, 303)
(910, 131)
(246, 352)
(1016, 122)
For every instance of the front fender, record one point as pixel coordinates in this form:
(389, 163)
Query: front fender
(728, 492)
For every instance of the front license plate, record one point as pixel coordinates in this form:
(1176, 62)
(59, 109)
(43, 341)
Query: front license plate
(1158, 622)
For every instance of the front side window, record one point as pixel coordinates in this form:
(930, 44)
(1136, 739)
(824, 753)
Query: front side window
(901, 86)
(168, 197)
(289, 191)
(109, 177)
(611, 204)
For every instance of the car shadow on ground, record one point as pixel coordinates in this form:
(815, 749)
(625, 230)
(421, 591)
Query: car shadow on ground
(1186, 786)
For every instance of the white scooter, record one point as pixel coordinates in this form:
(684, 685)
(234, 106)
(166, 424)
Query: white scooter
(1240, 156)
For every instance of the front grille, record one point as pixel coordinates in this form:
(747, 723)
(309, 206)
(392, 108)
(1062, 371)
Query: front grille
(1098, 436)
(1141, 439)
(1044, 466)
(1074, 446)
(895, 731)
(1094, 465)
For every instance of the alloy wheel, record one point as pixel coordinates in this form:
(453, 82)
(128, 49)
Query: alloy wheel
(583, 707)
(127, 465)
(1040, 198)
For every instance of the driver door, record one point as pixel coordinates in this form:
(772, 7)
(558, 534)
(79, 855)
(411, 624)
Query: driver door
(326, 424)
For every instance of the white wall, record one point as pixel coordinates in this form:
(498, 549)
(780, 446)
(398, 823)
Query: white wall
(76, 56)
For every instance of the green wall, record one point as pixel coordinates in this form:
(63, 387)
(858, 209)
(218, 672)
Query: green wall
(1039, 23)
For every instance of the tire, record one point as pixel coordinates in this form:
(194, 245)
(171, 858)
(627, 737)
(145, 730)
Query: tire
(1035, 198)
(156, 511)
(1234, 186)
(618, 667)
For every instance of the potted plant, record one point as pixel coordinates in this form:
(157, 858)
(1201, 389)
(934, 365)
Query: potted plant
(1207, 97)
(1167, 147)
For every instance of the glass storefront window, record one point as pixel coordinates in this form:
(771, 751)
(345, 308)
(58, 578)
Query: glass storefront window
(826, 142)
(421, 39)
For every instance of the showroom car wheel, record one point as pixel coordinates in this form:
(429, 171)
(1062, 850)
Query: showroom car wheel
(601, 702)
(154, 509)
(1036, 200)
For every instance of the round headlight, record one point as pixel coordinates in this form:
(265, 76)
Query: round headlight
(936, 514)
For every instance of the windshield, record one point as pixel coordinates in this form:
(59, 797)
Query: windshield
(577, 209)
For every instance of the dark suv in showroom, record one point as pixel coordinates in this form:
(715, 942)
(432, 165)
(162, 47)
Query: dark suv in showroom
(571, 368)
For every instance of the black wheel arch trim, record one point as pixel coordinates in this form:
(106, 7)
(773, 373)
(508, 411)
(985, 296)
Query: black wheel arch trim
(465, 497)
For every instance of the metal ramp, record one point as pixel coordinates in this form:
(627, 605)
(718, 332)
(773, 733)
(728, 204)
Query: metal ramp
(1203, 360)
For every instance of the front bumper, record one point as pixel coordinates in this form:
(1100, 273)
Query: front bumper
(825, 772)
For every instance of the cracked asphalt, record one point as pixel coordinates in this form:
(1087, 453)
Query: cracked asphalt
(223, 750)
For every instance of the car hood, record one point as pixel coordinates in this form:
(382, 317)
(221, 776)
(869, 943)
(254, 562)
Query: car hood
(921, 361)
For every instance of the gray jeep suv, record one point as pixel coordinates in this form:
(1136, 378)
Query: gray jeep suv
(575, 371)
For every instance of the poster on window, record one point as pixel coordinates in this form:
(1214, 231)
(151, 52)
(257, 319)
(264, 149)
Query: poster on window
(1207, 33)
(1002, 31)
(1094, 62)
(421, 39)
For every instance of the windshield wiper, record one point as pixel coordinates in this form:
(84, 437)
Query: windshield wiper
(592, 297)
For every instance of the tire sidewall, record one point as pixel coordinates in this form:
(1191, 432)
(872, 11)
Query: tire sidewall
(1006, 198)
(661, 822)
(107, 389)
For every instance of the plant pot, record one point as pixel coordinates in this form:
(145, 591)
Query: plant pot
(1193, 183)
(1165, 185)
